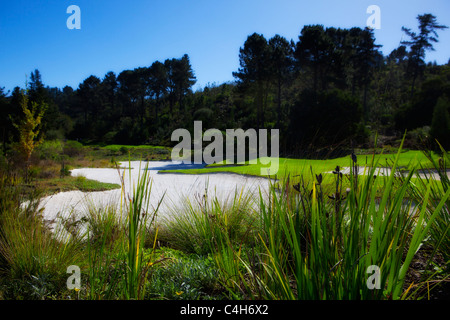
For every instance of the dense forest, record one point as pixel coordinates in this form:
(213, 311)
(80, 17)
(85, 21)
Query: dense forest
(331, 88)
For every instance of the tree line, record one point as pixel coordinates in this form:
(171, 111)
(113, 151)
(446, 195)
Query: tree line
(331, 88)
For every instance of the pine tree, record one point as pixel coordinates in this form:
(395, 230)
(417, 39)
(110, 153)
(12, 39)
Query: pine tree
(420, 43)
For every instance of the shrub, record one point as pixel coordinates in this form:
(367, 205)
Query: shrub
(184, 276)
(50, 150)
(123, 150)
(65, 172)
(73, 148)
(417, 137)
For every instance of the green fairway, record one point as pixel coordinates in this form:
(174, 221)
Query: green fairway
(291, 167)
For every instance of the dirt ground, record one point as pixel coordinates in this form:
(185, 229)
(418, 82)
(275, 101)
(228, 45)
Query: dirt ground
(417, 275)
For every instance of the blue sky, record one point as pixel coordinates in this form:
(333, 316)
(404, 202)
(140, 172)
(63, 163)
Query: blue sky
(118, 35)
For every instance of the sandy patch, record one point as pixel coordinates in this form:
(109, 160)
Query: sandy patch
(169, 187)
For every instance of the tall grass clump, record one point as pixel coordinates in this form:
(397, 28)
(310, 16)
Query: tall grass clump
(440, 230)
(223, 230)
(328, 246)
(105, 235)
(198, 223)
(138, 221)
(33, 255)
(438, 182)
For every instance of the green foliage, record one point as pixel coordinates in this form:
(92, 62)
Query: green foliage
(73, 148)
(440, 125)
(86, 185)
(29, 128)
(138, 218)
(319, 246)
(324, 119)
(440, 229)
(50, 149)
(316, 241)
(419, 112)
(105, 235)
(302, 240)
(183, 276)
(420, 43)
(33, 258)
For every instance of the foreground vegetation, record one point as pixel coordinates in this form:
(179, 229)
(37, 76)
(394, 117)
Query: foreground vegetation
(300, 241)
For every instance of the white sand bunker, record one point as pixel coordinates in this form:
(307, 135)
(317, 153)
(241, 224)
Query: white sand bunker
(427, 173)
(172, 188)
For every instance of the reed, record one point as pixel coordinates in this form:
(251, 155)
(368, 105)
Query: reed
(439, 229)
(138, 220)
(324, 246)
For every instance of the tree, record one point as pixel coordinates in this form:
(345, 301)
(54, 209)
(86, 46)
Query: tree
(128, 91)
(323, 119)
(313, 54)
(158, 83)
(88, 92)
(419, 112)
(4, 119)
(169, 66)
(184, 78)
(29, 128)
(281, 64)
(109, 92)
(43, 95)
(141, 78)
(440, 125)
(36, 88)
(180, 79)
(399, 55)
(363, 60)
(420, 43)
(254, 72)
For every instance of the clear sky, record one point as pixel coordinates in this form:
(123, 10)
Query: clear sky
(116, 34)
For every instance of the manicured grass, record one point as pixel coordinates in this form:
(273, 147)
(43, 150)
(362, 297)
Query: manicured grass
(301, 166)
(295, 170)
